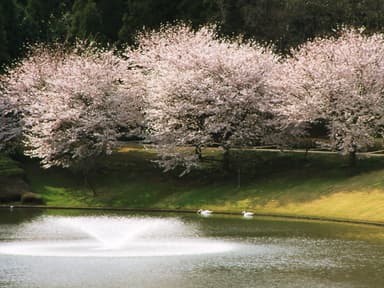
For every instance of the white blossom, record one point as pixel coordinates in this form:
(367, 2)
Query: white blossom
(10, 122)
(74, 102)
(202, 91)
(338, 79)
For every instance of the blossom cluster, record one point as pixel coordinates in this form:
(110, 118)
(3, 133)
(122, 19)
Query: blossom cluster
(339, 80)
(73, 102)
(191, 88)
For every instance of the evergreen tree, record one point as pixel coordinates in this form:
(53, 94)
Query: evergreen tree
(111, 13)
(285, 23)
(10, 31)
(44, 19)
(4, 56)
(147, 14)
(86, 20)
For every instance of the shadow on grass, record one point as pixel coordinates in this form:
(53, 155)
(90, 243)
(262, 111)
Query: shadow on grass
(131, 179)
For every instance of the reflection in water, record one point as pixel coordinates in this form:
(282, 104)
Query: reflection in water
(188, 251)
(18, 216)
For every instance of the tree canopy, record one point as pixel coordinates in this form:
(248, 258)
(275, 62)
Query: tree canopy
(285, 23)
(259, 73)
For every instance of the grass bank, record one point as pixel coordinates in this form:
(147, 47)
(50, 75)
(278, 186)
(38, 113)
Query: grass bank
(318, 185)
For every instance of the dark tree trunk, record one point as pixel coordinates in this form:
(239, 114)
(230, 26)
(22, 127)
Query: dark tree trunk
(226, 159)
(198, 152)
(89, 184)
(352, 159)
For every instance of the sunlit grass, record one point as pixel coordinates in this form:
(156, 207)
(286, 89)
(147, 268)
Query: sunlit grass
(262, 181)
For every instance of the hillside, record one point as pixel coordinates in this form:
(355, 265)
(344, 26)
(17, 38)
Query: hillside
(290, 183)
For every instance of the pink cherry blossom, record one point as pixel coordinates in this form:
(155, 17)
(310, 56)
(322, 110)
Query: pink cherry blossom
(202, 90)
(74, 102)
(339, 79)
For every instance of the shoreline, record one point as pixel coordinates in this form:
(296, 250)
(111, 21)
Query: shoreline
(190, 211)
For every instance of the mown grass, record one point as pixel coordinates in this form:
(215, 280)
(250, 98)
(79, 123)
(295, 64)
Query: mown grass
(262, 181)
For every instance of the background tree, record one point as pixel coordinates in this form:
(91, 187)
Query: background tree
(4, 54)
(285, 23)
(45, 21)
(289, 23)
(86, 21)
(111, 12)
(11, 32)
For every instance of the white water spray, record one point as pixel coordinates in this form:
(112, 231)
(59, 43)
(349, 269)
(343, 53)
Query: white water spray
(110, 237)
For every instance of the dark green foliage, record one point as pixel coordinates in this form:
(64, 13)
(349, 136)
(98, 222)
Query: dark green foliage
(10, 31)
(46, 20)
(150, 14)
(85, 20)
(4, 56)
(285, 23)
(288, 23)
(111, 13)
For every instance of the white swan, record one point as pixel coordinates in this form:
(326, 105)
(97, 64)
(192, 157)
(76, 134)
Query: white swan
(204, 212)
(247, 214)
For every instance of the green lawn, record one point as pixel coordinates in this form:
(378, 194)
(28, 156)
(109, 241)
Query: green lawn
(262, 181)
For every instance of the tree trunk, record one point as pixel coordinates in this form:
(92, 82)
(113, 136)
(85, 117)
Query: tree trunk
(306, 153)
(89, 184)
(352, 159)
(198, 152)
(226, 159)
(238, 178)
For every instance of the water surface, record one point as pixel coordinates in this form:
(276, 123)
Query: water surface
(67, 249)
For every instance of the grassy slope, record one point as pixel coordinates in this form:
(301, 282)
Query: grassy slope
(270, 182)
(8, 167)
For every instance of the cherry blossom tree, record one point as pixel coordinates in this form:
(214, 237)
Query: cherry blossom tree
(341, 80)
(10, 122)
(202, 90)
(16, 84)
(74, 101)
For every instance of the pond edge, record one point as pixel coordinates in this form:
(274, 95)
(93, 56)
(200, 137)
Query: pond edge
(216, 212)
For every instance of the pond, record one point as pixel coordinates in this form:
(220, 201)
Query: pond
(70, 249)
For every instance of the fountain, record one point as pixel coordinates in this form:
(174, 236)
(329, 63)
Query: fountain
(110, 236)
(185, 250)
